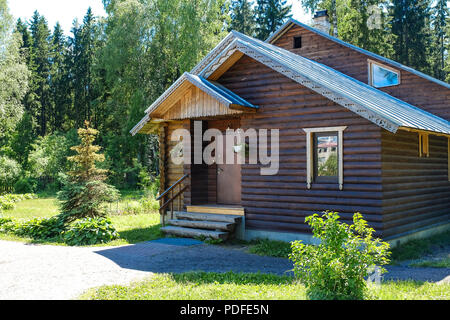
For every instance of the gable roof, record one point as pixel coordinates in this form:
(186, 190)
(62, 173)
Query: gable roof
(373, 104)
(214, 89)
(292, 22)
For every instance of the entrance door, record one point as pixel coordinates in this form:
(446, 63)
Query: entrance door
(228, 175)
(229, 180)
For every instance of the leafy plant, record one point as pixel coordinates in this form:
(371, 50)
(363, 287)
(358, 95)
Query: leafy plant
(89, 231)
(41, 228)
(336, 268)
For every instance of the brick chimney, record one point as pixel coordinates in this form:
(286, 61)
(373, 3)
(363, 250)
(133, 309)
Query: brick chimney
(321, 21)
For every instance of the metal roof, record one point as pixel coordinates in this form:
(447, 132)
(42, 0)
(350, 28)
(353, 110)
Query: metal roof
(369, 102)
(291, 22)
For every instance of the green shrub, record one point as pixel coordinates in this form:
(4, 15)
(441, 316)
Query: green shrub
(8, 201)
(7, 225)
(89, 231)
(26, 185)
(336, 268)
(41, 228)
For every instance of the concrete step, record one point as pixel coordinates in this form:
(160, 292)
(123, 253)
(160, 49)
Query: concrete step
(216, 209)
(190, 232)
(203, 224)
(207, 217)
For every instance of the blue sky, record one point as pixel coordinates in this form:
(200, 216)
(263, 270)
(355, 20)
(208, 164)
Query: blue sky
(65, 11)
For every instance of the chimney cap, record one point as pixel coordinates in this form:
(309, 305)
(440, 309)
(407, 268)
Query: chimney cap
(321, 13)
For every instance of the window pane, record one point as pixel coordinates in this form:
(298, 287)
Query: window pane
(382, 77)
(326, 155)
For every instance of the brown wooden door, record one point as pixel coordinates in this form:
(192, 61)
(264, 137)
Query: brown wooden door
(228, 181)
(228, 175)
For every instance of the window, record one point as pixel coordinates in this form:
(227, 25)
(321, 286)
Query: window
(297, 42)
(382, 76)
(424, 147)
(324, 155)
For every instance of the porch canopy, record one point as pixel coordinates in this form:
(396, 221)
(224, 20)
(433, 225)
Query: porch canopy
(192, 96)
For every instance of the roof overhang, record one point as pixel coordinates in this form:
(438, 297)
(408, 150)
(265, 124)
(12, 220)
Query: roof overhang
(292, 22)
(175, 92)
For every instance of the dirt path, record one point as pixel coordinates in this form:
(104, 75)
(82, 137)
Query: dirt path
(59, 272)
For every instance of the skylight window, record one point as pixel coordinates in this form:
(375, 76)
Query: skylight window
(382, 76)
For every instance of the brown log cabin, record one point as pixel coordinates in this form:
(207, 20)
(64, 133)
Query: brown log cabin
(387, 125)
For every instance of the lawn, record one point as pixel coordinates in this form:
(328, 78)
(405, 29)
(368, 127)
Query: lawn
(132, 228)
(240, 286)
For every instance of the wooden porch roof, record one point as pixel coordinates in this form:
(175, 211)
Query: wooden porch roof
(192, 96)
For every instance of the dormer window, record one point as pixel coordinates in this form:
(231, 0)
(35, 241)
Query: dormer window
(382, 76)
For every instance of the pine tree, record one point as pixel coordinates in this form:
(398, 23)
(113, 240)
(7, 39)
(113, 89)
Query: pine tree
(41, 71)
(410, 24)
(440, 39)
(270, 15)
(85, 191)
(242, 17)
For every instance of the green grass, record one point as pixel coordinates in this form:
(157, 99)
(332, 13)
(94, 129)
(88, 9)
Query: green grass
(271, 248)
(240, 286)
(416, 249)
(132, 228)
(434, 263)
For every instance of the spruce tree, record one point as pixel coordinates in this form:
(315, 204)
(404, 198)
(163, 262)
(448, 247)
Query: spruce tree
(440, 39)
(85, 190)
(270, 15)
(410, 24)
(242, 17)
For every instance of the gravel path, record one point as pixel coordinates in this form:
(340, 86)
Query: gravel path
(59, 272)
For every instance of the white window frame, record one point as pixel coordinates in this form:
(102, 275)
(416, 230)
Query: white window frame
(371, 63)
(310, 153)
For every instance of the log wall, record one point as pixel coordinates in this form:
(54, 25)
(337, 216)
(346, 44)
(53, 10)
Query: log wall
(413, 89)
(281, 202)
(416, 190)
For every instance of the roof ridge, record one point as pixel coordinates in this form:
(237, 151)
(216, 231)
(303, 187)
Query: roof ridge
(274, 35)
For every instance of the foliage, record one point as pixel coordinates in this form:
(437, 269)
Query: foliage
(335, 269)
(265, 247)
(41, 228)
(270, 15)
(89, 231)
(416, 248)
(9, 171)
(8, 201)
(251, 286)
(242, 17)
(85, 191)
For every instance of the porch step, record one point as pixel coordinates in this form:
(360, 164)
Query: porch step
(208, 216)
(203, 224)
(217, 209)
(191, 232)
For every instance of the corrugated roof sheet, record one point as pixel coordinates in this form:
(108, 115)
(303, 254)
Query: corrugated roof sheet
(371, 103)
(292, 22)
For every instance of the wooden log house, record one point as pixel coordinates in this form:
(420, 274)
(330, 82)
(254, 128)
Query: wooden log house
(383, 126)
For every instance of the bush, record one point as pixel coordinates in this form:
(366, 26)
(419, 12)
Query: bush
(9, 171)
(41, 229)
(26, 185)
(89, 231)
(8, 201)
(7, 225)
(336, 268)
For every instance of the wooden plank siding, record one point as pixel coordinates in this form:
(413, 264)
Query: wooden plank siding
(416, 190)
(413, 89)
(281, 202)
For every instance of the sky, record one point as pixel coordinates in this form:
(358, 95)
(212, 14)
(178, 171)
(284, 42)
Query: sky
(65, 11)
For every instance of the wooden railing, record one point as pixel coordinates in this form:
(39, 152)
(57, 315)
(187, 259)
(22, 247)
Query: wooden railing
(169, 192)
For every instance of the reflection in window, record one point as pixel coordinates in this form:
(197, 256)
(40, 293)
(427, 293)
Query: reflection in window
(326, 156)
(383, 77)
